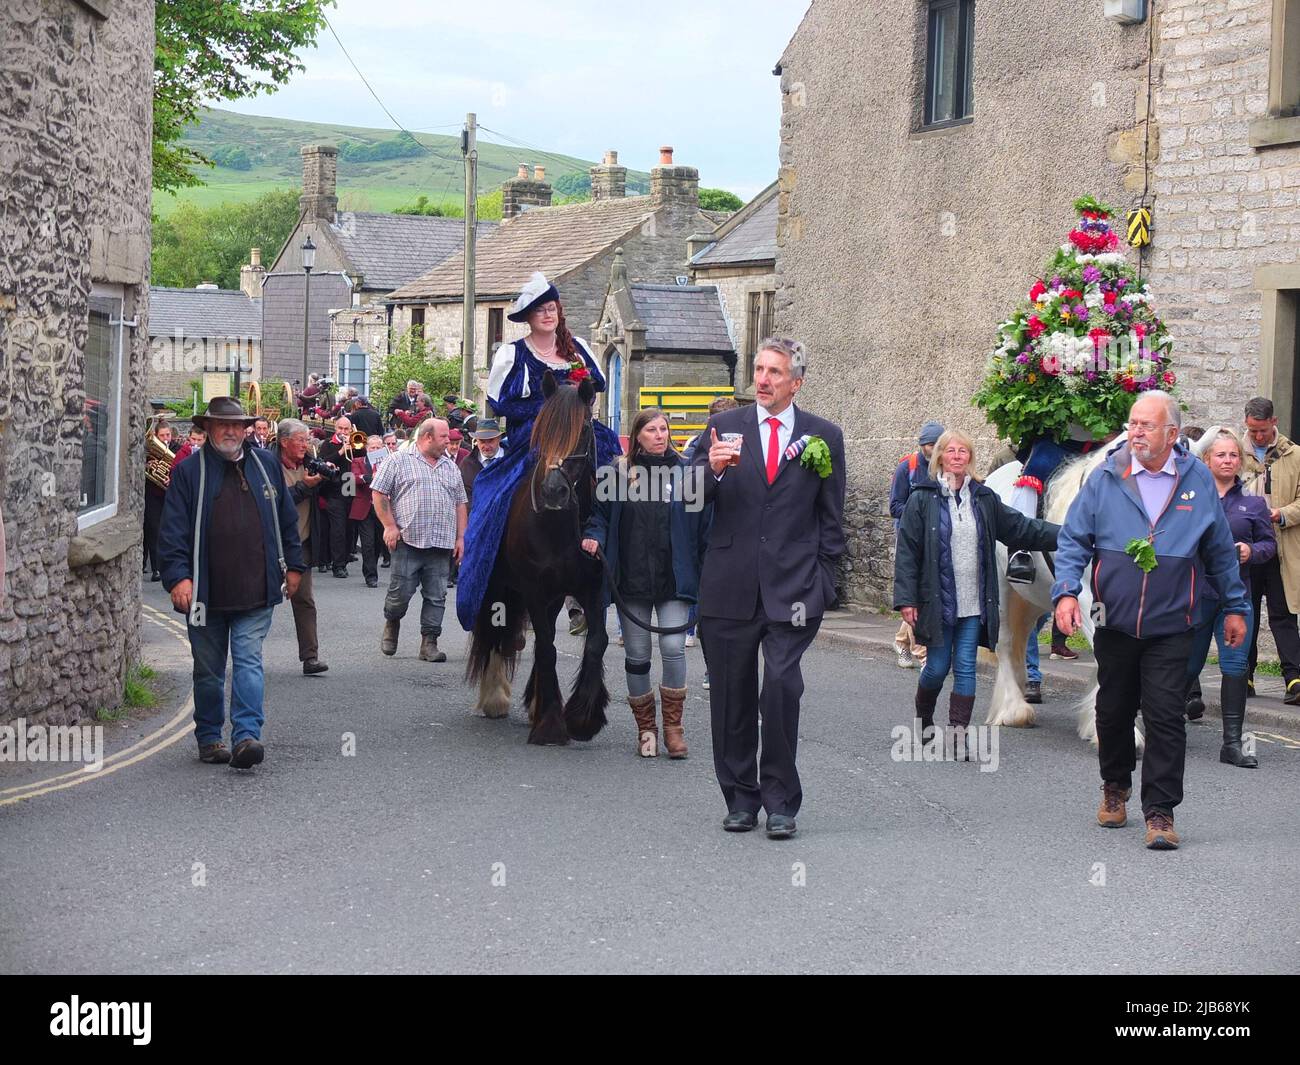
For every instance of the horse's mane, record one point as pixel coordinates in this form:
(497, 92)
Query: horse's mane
(1067, 482)
(557, 431)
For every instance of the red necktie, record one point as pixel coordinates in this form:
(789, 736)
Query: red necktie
(773, 449)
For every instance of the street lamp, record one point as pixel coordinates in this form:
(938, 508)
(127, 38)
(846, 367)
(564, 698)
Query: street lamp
(308, 261)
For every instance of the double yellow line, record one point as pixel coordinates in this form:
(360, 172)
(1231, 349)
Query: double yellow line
(160, 739)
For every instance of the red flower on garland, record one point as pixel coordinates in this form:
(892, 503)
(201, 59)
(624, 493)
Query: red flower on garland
(1108, 298)
(1128, 384)
(1037, 292)
(1099, 337)
(1169, 379)
(1093, 244)
(578, 371)
(1036, 327)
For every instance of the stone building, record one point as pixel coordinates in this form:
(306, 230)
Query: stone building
(360, 257)
(573, 245)
(739, 259)
(658, 336)
(921, 191)
(75, 153)
(202, 330)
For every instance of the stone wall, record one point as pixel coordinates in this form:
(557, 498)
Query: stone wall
(75, 152)
(901, 250)
(176, 361)
(1223, 208)
(734, 284)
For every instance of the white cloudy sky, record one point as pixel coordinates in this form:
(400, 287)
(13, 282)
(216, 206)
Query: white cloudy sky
(573, 76)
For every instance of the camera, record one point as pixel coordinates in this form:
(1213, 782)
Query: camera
(327, 470)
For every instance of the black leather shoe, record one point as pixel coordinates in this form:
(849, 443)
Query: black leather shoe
(740, 821)
(343, 572)
(1033, 691)
(155, 576)
(313, 666)
(779, 826)
(372, 582)
(1020, 568)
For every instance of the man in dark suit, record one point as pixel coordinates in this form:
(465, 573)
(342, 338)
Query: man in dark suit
(405, 401)
(366, 418)
(769, 574)
(487, 436)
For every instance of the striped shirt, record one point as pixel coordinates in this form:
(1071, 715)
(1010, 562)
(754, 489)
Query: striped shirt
(424, 496)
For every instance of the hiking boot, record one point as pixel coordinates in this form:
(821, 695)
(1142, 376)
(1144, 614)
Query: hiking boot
(388, 642)
(1033, 691)
(577, 622)
(429, 650)
(247, 753)
(1292, 697)
(1112, 814)
(1160, 832)
(313, 666)
(1250, 688)
(1061, 653)
(905, 658)
(214, 753)
(647, 731)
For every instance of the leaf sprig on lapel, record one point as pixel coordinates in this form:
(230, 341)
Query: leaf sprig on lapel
(817, 456)
(1143, 553)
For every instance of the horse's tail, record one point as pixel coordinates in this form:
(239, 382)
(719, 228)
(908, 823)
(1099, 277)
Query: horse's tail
(499, 630)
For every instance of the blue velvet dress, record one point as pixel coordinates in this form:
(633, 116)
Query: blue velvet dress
(514, 393)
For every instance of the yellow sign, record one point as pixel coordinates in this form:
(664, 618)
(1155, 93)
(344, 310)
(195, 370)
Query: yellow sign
(687, 407)
(1139, 226)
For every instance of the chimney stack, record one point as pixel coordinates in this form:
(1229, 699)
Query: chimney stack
(250, 276)
(522, 192)
(609, 180)
(319, 201)
(674, 186)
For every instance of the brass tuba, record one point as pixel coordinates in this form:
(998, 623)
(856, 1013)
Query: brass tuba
(158, 461)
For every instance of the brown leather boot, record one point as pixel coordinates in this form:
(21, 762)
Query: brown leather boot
(643, 709)
(388, 641)
(429, 650)
(1111, 813)
(674, 702)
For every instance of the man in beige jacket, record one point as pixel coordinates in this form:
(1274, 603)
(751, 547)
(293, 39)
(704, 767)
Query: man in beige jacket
(1271, 468)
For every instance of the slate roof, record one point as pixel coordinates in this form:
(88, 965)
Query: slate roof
(752, 239)
(203, 313)
(683, 318)
(554, 240)
(391, 249)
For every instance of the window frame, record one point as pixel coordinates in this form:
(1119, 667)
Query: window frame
(494, 334)
(417, 327)
(109, 508)
(963, 76)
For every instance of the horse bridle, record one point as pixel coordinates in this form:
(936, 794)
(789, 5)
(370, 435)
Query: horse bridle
(571, 485)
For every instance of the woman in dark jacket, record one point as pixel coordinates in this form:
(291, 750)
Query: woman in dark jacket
(946, 574)
(652, 532)
(1252, 530)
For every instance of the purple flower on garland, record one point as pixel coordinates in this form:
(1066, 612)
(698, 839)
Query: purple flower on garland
(1090, 376)
(1056, 282)
(1091, 274)
(1126, 307)
(1023, 357)
(1120, 282)
(1081, 312)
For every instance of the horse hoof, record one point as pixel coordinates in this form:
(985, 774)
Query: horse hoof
(492, 712)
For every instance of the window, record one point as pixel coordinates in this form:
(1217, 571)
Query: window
(949, 62)
(417, 321)
(354, 370)
(102, 412)
(760, 314)
(495, 329)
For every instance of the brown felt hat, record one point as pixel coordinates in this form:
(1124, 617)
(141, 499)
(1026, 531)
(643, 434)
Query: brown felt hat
(223, 409)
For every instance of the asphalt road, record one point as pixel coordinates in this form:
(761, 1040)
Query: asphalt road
(445, 843)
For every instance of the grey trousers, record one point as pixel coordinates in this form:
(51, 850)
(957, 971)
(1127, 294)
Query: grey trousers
(637, 643)
(425, 568)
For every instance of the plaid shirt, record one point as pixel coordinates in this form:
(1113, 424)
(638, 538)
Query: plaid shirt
(423, 496)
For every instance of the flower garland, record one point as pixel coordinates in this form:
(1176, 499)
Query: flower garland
(1084, 344)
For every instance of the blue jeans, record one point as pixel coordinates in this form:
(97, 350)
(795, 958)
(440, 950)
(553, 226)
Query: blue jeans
(1232, 660)
(240, 635)
(1032, 668)
(958, 651)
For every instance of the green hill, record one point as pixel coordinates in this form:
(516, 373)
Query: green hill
(379, 169)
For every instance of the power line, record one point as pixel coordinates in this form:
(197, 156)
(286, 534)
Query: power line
(565, 166)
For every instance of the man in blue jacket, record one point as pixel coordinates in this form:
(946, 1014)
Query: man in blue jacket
(1148, 521)
(229, 541)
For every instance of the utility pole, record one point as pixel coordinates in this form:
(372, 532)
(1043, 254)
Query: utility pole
(469, 149)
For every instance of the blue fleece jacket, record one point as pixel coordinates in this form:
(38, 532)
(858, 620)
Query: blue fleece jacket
(1192, 541)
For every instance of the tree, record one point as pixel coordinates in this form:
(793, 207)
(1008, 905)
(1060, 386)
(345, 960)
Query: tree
(232, 157)
(719, 200)
(414, 359)
(194, 244)
(219, 51)
(422, 206)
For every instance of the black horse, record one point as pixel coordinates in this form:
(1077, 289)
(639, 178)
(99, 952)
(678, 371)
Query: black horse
(540, 561)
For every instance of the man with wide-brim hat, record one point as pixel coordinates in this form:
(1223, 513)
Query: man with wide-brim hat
(230, 552)
(486, 450)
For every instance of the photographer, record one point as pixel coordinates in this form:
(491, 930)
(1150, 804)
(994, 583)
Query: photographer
(291, 445)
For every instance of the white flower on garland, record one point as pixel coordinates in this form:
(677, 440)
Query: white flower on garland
(1107, 258)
